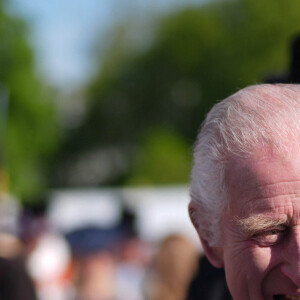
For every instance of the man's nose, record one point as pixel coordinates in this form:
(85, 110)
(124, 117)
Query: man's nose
(291, 254)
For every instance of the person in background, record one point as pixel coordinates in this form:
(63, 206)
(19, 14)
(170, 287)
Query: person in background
(15, 281)
(209, 283)
(15, 284)
(174, 265)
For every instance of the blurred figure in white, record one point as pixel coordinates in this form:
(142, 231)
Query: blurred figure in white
(134, 259)
(49, 264)
(48, 256)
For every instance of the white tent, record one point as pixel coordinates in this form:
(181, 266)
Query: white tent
(159, 211)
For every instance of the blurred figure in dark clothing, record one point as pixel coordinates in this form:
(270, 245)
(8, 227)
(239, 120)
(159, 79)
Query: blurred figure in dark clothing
(209, 283)
(293, 75)
(15, 283)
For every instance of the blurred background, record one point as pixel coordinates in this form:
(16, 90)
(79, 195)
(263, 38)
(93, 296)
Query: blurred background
(100, 104)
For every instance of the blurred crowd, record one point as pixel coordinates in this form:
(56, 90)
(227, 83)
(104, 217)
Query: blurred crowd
(92, 263)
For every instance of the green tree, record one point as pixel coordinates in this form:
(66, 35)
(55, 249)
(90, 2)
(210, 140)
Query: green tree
(30, 129)
(194, 58)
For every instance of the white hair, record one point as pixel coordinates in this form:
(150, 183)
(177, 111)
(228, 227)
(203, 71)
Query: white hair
(255, 117)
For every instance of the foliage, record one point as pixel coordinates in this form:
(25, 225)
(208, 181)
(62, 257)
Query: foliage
(161, 158)
(195, 57)
(29, 129)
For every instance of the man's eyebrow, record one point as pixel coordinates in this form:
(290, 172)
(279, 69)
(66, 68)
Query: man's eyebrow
(258, 223)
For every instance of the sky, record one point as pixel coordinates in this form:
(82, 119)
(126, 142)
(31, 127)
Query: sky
(63, 32)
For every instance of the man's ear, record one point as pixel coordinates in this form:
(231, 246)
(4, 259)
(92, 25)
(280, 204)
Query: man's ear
(213, 254)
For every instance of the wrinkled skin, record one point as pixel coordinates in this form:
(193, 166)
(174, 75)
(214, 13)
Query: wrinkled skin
(261, 228)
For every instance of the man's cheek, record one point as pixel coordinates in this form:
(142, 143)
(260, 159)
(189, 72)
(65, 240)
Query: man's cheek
(247, 261)
(245, 270)
(262, 257)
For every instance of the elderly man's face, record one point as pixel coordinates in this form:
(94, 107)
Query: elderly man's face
(261, 228)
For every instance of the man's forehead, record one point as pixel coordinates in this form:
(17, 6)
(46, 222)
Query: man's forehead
(265, 176)
(265, 165)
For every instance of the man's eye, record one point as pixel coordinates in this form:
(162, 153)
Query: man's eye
(273, 232)
(270, 237)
